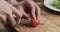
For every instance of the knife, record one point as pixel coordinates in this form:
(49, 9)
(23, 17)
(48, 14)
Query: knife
(10, 28)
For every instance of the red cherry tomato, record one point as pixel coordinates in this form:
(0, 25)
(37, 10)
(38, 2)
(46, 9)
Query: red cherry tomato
(34, 22)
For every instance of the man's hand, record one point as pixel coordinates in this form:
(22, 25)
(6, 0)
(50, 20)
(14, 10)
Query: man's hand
(29, 9)
(7, 11)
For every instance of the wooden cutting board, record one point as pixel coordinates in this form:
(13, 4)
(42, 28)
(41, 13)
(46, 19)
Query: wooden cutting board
(2, 28)
(45, 26)
(50, 21)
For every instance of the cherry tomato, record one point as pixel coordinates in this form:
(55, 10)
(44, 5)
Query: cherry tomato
(34, 22)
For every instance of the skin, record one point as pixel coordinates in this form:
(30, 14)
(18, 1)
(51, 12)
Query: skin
(34, 11)
(7, 11)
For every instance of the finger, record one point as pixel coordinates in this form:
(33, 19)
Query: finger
(16, 11)
(24, 13)
(3, 18)
(38, 12)
(9, 15)
(33, 12)
(18, 15)
(18, 21)
(32, 9)
(11, 20)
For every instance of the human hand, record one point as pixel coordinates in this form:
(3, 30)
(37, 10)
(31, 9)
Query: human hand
(29, 9)
(7, 11)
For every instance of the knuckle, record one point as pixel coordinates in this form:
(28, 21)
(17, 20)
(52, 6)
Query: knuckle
(21, 14)
(8, 14)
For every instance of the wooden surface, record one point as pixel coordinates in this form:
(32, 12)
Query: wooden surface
(2, 28)
(50, 21)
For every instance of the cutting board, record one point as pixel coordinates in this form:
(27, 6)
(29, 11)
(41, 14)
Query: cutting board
(45, 26)
(49, 22)
(2, 28)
